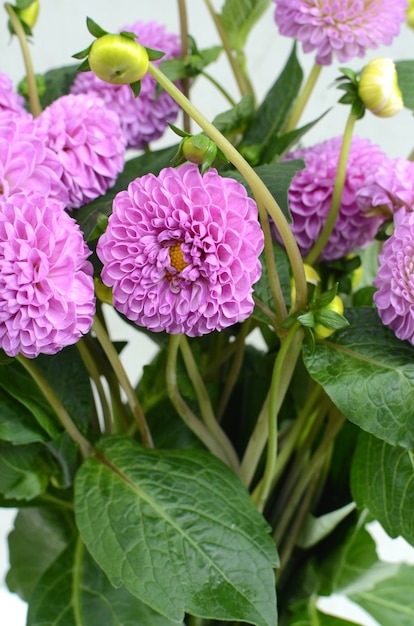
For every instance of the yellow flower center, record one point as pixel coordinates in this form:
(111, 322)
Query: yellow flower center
(177, 258)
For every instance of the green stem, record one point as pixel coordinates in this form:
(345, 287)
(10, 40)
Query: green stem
(302, 99)
(63, 416)
(182, 408)
(124, 381)
(242, 84)
(261, 494)
(205, 405)
(219, 87)
(95, 376)
(337, 192)
(261, 193)
(260, 433)
(235, 368)
(185, 83)
(34, 101)
(77, 582)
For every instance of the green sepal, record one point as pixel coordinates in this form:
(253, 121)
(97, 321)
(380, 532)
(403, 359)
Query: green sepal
(94, 28)
(154, 55)
(136, 88)
(84, 67)
(83, 53)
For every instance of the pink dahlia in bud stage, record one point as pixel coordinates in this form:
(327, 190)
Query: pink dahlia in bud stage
(10, 101)
(310, 196)
(26, 164)
(88, 142)
(181, 251)
(340, 27)
(46, 282)
(395, 280)
(143, 119)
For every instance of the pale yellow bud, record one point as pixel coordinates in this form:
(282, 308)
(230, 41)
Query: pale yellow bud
(378, 88)
(410, 14)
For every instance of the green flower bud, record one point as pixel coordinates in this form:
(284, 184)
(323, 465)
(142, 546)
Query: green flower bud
(378, 88)
(30, 14)
(118, 59)
(409, 13)
(337, 306)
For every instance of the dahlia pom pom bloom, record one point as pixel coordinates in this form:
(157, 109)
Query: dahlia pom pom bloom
(310, 196)
(143, 119)
(394, 297)
(46, 284)
(181, 251)
(10, 102)
(345, 28)
(26, 163)
(89, 144)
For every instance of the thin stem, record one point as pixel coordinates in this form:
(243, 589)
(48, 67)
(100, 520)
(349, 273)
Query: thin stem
(77, 580)
(95, 376)
(185, 83)
(219, 87)
(124, 381)
(34, 101)
(260, 433)
(303, 98)
(242, 84)
(60, 411)
(205, 405)
(235, 368)
(261, 193)
(337, 192)
(262, 493)
(182, 408)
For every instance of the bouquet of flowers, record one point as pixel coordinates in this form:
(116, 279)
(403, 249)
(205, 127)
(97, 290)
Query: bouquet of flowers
(234, 483)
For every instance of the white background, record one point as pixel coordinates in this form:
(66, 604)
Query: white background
(61, 31)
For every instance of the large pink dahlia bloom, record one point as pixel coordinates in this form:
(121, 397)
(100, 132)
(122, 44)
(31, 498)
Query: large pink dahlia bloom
(310, 196)
(46, 283)
(395, 280)
(143, 119)
(88, 142)
(181, 251)
(26, 164)
(10, 102)
(342, 27)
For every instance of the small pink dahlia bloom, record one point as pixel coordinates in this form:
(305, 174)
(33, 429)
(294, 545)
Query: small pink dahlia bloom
(10, 101)
(26, 163)
(342, 27)
(46, 283)
(143, 119)
(181, 251)
(88, 142)
(310, 196)
(395, 280)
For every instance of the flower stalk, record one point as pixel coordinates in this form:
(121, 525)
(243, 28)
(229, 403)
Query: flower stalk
(303, 98)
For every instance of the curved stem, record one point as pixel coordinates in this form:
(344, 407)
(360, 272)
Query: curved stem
(337, 192)
(63, 416)
(182, 12)
(95, 376)
(219, 87)
(302, 99)
(262, 492)
(261, 193)
(34, 101)
(182, 408)
(124, 381)
(205, 405)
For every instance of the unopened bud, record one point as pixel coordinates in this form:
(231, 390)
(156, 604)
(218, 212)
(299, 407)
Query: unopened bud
(30, 14)
(378, 88)
(409, 13)
(118, 59)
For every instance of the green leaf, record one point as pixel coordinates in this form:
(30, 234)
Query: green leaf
(17, 425)
(75, 591)
(262, 292)
(38, 537)
(58, 83)
(382, 480)
(149, 162)
(369, 374)
(272, 114)
(306, 614)
(178, 530)
(22, 473)
(390, 600)
(238, 18)
(235, 120)
(317, 528)
(405, 72)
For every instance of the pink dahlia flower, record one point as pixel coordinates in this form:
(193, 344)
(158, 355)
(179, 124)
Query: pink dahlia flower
(26, 164)
(10, 101)
(181, 251)
(143, 119)
(88, 142)
(395, 280)
(310, 196)
(342, 27)
(391, 187)
(46, 283)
